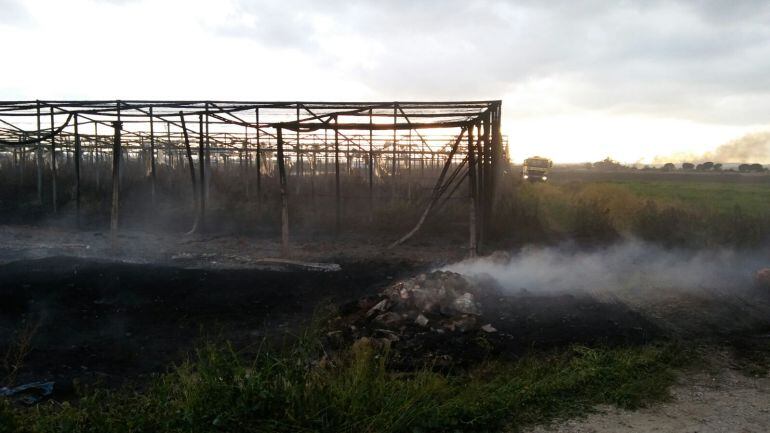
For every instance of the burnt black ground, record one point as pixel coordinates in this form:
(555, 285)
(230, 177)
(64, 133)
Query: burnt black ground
(107, 321)
(112, 322)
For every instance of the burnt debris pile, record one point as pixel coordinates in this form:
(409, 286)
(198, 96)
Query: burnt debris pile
(447, 319)
(433, 318)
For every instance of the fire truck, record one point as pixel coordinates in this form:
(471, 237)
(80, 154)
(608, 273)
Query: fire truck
(535, 169)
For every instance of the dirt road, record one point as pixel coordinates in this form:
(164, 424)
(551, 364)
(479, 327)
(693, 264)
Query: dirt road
(717, 399)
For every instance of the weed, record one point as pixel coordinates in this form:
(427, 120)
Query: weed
(13, 359)
(287, 391)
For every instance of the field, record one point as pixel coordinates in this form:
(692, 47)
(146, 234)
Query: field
(602, 288)
(753, 199)
(682, 209)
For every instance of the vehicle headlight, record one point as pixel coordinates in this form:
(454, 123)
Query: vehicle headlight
(545, 177)
(526, 176)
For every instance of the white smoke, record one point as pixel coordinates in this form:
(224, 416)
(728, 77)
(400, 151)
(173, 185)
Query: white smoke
(627, 265)
(685, 291)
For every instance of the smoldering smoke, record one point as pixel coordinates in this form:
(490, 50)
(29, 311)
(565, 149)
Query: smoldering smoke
(751, 148)
(630, 264)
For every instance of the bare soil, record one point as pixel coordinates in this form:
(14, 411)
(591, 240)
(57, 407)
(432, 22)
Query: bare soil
(717, 399)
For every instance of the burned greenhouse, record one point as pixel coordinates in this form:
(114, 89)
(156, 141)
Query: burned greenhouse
(326, 166)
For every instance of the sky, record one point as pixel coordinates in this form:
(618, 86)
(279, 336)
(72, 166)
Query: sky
(641, 81)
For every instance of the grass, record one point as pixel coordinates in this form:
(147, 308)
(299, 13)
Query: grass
(695, 214)
(291, 391)
(754, 199)
(687, 211)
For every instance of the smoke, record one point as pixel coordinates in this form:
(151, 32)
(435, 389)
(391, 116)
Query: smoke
(750, 148)
(629, 265)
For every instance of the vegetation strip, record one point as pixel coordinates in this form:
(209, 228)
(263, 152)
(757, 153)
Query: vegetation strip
(291, 391)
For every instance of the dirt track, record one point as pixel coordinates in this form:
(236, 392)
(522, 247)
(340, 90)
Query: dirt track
(719, 400)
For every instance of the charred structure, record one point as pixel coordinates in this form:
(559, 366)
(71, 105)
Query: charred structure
(369, 152)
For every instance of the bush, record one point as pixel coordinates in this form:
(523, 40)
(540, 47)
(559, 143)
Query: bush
(669, 226)
(592, 222)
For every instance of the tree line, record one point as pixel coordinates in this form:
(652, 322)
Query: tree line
(710, 166)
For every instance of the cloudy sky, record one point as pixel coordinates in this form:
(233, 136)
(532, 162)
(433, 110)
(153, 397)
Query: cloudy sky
(579, 80)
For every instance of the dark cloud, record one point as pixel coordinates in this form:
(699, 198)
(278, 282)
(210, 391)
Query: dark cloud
(704, 60)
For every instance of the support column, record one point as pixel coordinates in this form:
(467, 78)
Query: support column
(472, 244)
(152, 157)
(188, 152)
(480, 197)
(259, 162)
(337, 199)
(371, 167)
(497, 157)
(206, 184)
(299, 150)
(393, 168)
(54, 197)
(39, 158)
(169, 154)
(202, 170)
(115, 184)
(245, 172)
(23, 160)
(98, 159)
(77, 173)
(284, 196)
(487, 179)
(121, 163)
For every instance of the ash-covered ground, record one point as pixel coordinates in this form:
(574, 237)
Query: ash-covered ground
(97, 315)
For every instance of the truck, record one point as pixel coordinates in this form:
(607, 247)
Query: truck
(535, 169)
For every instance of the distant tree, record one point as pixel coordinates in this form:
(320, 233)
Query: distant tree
(687, 166)
(708, 165)
(669, 166)
(608, 164)
(718, 166)
(757, 168)
(699, 167)
(744, 168)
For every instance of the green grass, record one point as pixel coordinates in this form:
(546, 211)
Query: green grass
(754, 199)
(291, 392)
(687, 213)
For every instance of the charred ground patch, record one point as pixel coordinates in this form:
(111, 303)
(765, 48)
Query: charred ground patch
(110, 321)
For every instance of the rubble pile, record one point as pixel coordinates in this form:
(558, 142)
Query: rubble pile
(431, 317)
(441, 301)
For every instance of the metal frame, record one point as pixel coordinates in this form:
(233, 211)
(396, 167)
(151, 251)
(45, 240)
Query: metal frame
(380, 139)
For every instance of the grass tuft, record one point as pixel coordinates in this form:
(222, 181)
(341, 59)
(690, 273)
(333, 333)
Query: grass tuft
(288, 391)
